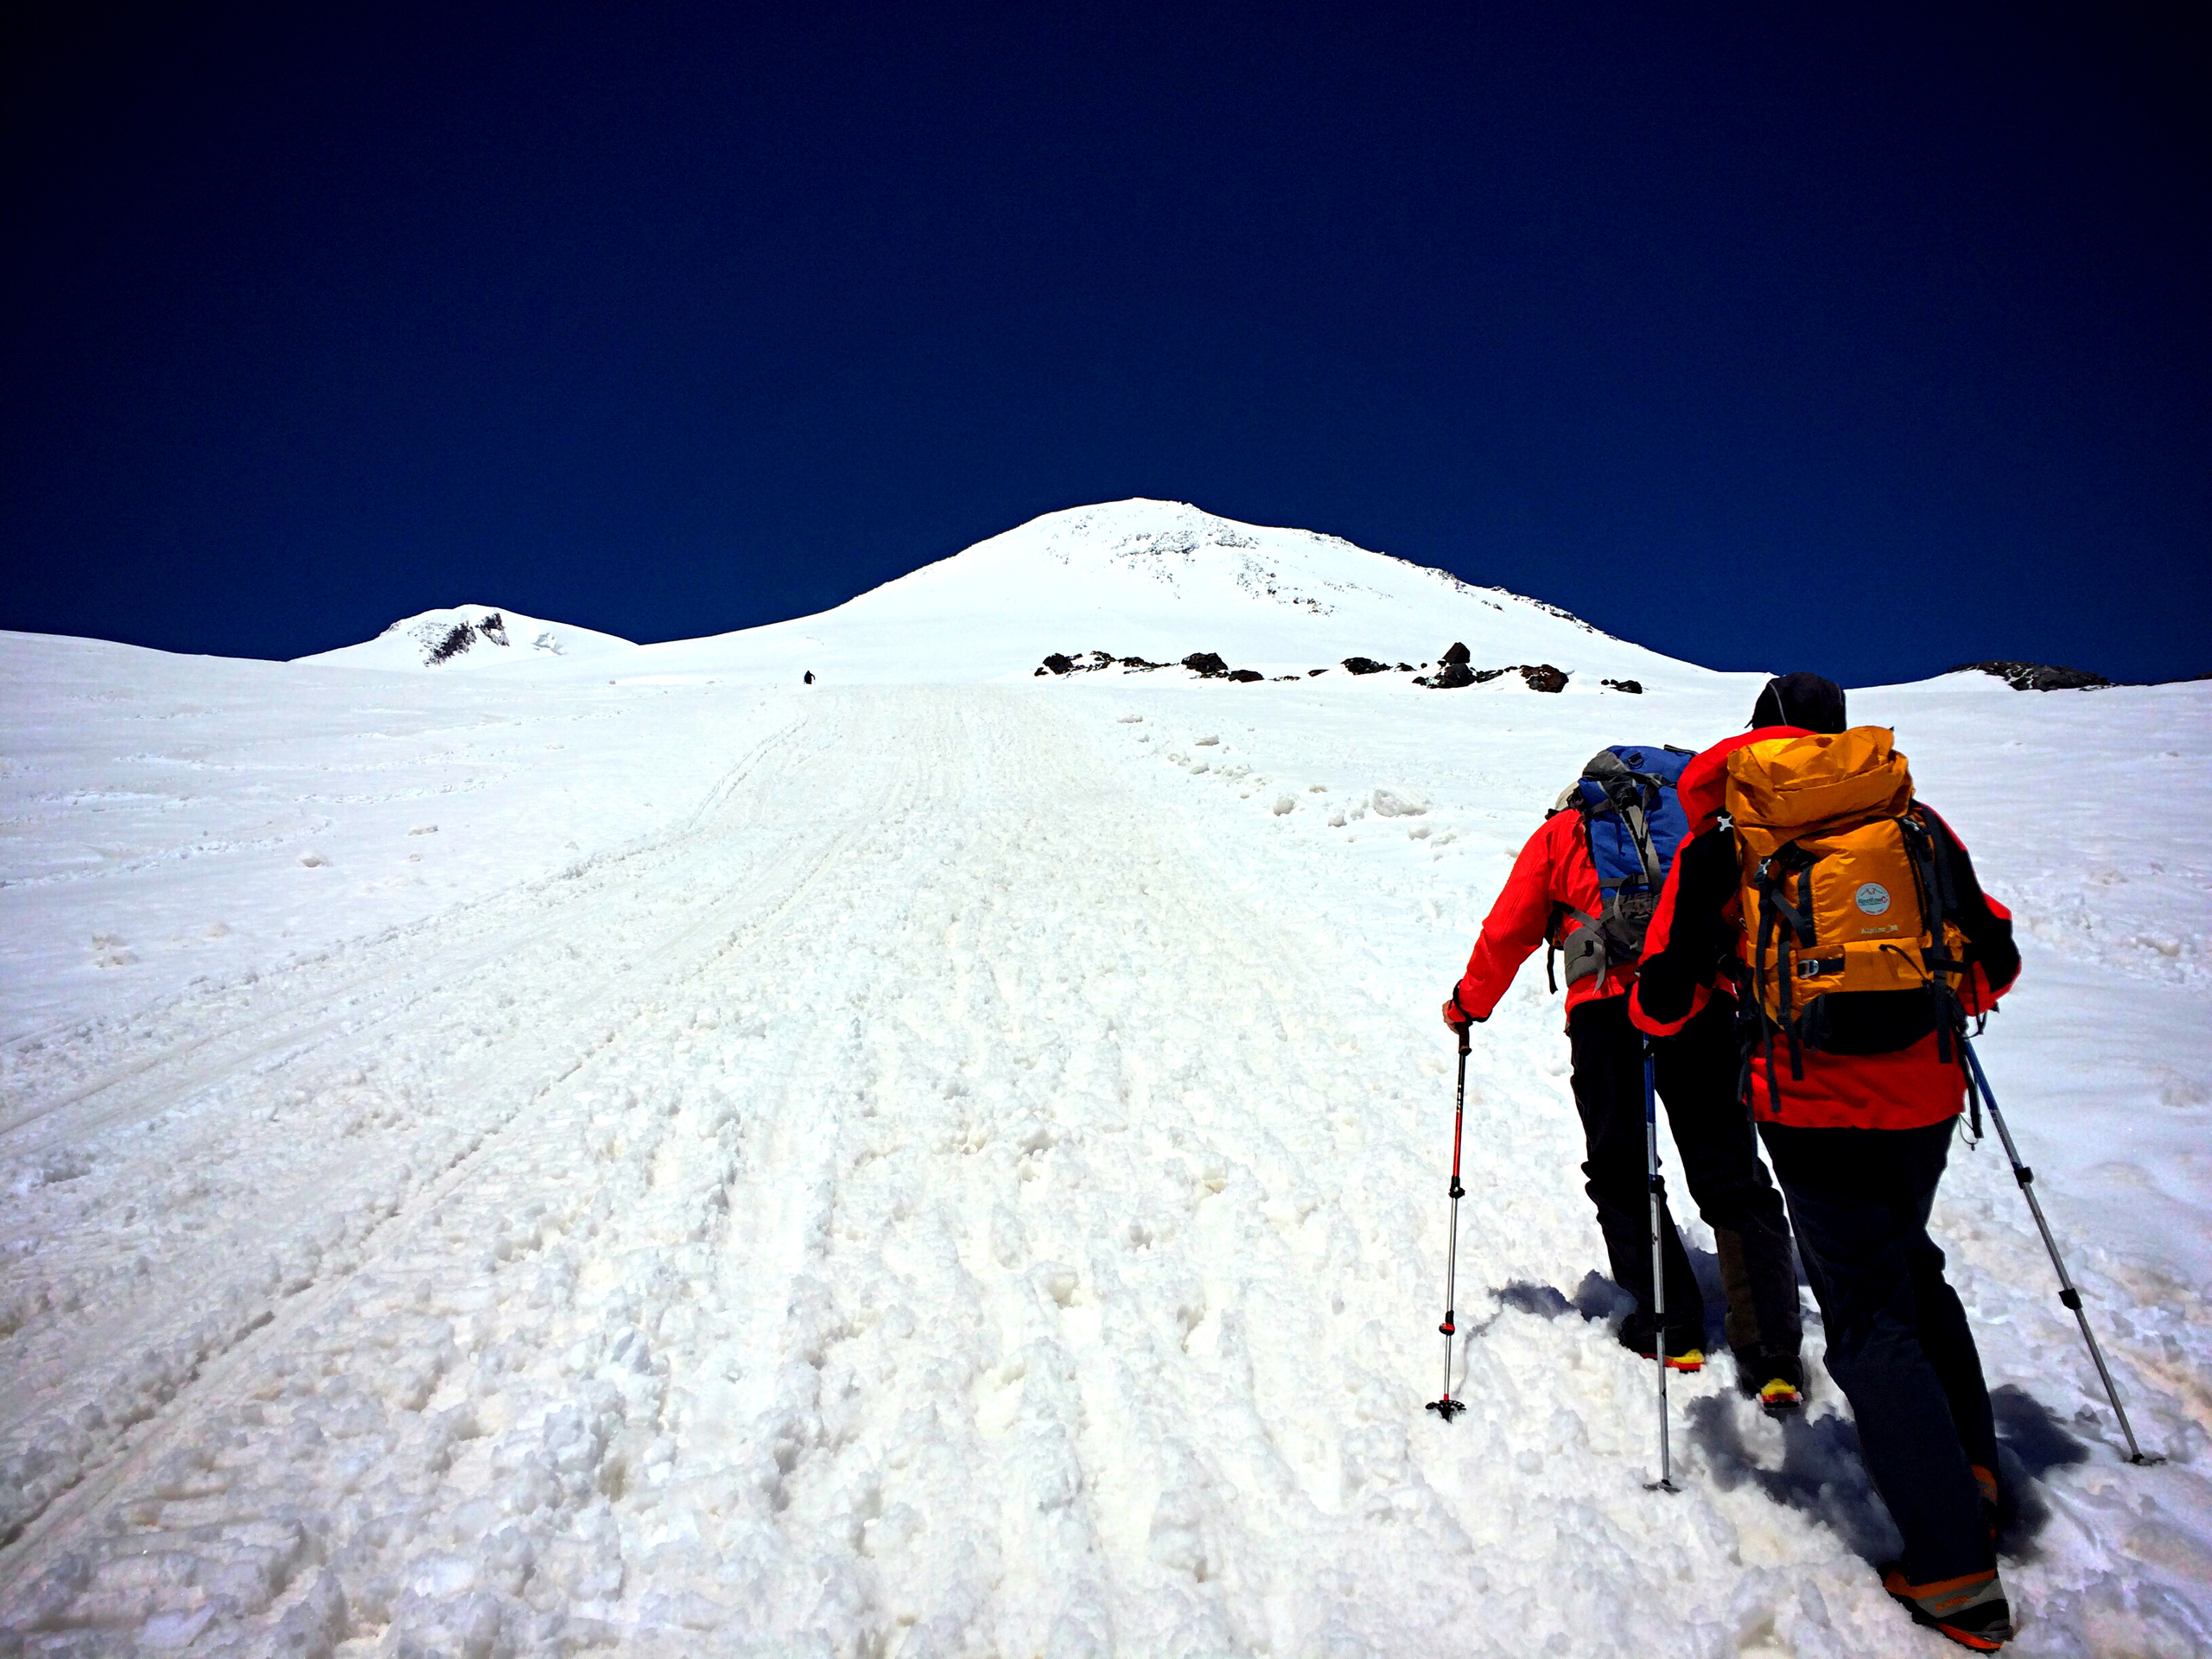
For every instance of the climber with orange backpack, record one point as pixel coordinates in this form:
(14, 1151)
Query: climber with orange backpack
(1844, 918)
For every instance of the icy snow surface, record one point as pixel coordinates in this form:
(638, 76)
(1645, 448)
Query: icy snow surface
(516, 1163)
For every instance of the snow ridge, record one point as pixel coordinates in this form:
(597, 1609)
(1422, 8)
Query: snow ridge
(1160, 579)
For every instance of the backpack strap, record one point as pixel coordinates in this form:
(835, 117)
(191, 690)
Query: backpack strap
(1639, 832)
(1767, 923)
(1938, 900)
(1781, 927)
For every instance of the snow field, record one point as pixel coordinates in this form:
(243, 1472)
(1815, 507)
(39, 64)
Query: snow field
(171, 818)
(952, 1180)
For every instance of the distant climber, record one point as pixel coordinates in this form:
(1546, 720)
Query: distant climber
(809, 677)
(1847, 920)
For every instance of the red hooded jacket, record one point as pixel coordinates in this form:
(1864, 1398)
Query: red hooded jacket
(1906, 1089)
(1554, 869)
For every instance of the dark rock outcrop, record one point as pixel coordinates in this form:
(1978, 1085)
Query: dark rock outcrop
(1541, 676)
(1059, 663)
(1366, 665)
(1206, 663)
(460, 638)
(2036, 677)
(1633, 688)
(1245, 676)
(1457, 654)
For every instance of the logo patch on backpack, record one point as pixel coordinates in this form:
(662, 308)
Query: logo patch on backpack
(1873, 899)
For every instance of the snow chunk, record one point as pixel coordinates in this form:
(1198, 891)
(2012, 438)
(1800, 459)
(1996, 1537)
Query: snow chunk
(1398, 802)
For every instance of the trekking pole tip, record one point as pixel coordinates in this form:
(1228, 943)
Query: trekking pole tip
(1661, 1486)
(1447, 1407)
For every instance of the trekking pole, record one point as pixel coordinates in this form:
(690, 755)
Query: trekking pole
(1665, 1483)
(2067, 1293)
(1447, 1406)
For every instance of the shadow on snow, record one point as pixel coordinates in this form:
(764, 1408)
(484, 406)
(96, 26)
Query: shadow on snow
(1822, 1474)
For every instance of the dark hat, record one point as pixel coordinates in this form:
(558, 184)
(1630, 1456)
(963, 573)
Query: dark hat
(1801, 699)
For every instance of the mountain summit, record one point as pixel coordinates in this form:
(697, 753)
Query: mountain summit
(1161, 579)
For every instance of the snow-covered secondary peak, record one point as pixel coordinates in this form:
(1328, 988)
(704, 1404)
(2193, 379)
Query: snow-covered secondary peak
(1161, 579)
(470, 635)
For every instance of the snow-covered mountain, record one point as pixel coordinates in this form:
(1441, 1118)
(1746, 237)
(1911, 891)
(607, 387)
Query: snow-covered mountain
(471, 636)
(1154, 580)
(1160, 579)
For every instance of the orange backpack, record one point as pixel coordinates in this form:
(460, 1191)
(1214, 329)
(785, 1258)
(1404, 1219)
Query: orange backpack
(1841, 890)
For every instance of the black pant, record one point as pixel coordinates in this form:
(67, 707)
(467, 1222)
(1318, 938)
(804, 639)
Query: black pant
(1696, 1071)
(1898, 1345)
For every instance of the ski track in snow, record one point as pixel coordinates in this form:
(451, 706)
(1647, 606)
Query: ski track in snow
(974, 1185)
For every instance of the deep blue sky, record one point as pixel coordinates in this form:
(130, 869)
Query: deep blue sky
(1867, 340)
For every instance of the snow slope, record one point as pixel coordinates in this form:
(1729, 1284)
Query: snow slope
(959, 1168)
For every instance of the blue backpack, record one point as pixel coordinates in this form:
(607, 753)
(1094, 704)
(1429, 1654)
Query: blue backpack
(1633, 824)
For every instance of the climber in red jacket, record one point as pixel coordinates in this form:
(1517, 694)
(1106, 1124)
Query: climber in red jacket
(1696, 1068)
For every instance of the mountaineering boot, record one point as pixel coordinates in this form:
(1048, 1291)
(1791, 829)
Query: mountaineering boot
(1780, 1398)
(1684, 1357)
(1776, 1381)
(1684, 1353)
(1971, 1610)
